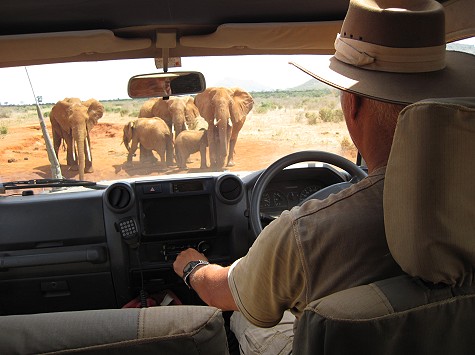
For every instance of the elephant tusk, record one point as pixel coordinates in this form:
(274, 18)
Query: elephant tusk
(217, 121)
(88, 150)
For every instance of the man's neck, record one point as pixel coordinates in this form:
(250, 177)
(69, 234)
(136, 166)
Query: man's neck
(375, 151)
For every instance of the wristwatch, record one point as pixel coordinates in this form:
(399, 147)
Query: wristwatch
(189, 268)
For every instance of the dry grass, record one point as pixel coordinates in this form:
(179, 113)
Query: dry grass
(265, 137)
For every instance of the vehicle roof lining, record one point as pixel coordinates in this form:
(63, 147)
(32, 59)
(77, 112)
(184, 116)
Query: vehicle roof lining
(228, 39)
(66, 45)
(282, 29)
(273, 36)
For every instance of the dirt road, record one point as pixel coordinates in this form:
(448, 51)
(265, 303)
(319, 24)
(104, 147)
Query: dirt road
(263, 139)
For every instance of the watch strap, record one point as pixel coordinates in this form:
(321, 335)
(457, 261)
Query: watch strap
(189, 268)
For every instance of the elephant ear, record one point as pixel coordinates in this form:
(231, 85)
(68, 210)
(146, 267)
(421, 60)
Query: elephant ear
(242, 104)
(146, 109)
(161, 109)
(202, 102)
(128, 131)
(191, 113)
(95, 109)
(56, 111)
(59, 115)
(190, 104)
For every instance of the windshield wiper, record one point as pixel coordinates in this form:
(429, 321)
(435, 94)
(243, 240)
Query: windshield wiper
(39, 183)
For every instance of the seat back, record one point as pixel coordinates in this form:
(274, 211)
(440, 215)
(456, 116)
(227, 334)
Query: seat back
(429, 210)
(154, 330)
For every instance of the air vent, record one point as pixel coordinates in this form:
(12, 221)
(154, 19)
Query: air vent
(119, 197)
(229, 189)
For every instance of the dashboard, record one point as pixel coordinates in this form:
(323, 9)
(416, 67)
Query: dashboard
(291, 187)
(101, 248)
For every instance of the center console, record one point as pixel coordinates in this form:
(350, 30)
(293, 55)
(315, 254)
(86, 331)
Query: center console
(149, 223)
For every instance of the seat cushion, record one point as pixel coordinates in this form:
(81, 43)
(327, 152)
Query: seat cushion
(164, 330)
(401, 315)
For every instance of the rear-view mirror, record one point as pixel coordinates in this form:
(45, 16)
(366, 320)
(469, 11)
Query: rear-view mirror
(166, 84)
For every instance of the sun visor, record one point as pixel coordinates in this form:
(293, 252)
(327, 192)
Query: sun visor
(269, 36)
(44, 46)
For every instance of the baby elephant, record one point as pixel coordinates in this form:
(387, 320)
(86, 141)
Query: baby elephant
(152, 134)
(192, 141)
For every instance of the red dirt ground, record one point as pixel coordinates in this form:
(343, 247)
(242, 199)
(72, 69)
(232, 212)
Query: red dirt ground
(23, 154)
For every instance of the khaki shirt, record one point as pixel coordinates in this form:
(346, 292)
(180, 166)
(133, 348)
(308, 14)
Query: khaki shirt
(312, 251)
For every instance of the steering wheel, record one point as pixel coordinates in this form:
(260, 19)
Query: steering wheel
(307, 155)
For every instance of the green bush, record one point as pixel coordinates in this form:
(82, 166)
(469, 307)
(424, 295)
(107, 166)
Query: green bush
(338, 116)
(299, 116)
(312, 118)
(112, 109)
(265, 107)
(3, 130)
(5, 112)
(331, 115)
(346, 145)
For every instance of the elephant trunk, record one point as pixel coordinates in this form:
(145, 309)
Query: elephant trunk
(222, 144)
(179, 123)
(79, 140)
(221, 121)
(127, 137)
(126, 143)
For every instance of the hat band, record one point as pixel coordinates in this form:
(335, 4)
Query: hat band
(380, 58)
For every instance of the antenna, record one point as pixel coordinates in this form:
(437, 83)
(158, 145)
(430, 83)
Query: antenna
(53, 159)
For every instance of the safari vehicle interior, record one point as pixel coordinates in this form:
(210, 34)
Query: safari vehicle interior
(80, 260)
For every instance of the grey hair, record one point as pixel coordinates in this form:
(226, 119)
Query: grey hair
(385, 114)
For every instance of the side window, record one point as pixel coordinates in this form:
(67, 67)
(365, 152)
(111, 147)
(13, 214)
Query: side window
(464, 45)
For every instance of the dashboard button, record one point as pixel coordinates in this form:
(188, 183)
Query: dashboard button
(152, 189)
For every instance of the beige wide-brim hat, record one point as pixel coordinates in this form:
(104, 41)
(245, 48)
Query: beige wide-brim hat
(394, 50)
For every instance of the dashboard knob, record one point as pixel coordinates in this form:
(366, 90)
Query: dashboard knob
(203, 247)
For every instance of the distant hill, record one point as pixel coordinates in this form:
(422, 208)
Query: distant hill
(253, 86)
(249, 85)
(312, 84)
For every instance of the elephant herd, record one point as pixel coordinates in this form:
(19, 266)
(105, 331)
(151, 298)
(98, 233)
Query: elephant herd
(179, 126)
(174, 128)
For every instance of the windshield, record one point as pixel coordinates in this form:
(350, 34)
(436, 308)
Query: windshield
(290, 112)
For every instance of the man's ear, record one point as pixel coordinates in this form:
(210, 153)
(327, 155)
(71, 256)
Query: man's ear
(354, 104)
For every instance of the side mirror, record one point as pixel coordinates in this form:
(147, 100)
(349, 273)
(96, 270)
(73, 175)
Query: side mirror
(166, 84)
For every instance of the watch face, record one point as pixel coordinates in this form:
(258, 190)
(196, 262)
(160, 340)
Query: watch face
(189, 269)
(190, 266)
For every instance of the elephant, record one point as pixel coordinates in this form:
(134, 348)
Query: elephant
(152, 133)
(177, 112)
(71, 121)
(225, 110)
(192, 141)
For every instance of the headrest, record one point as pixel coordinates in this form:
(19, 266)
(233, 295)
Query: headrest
(429, 195)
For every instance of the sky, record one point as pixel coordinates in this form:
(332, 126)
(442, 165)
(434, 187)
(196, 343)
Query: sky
(108, 80)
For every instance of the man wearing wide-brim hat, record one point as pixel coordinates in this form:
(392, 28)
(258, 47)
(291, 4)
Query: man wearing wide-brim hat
(395, 55)
(388, 54)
